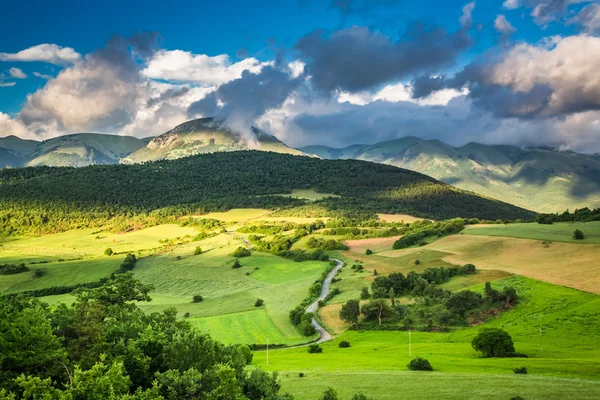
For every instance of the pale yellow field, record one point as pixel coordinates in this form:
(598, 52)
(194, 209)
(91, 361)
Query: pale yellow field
(237, 214)
(376, 245)
(398, 218)
(330, 315)
(566, 264)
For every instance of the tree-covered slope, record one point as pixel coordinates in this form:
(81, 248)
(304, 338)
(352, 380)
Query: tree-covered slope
(205, 135)
(50, 199)
(541, 179)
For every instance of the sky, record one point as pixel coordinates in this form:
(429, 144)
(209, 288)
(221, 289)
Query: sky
(330, 72)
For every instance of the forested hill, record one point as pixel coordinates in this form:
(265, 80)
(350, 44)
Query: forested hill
(45, 199)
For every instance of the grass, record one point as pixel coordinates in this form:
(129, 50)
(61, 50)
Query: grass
(238, 214)
(309, 194)
(567, 367)
(229, 294)
(408, 219)
(566, 264)
(558, 232)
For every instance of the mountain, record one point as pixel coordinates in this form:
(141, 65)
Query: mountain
(541, 179)
(205, 135)
(82, 149)
(15, 151)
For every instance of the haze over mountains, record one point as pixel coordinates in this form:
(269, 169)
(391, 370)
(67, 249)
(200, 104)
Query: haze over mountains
(540, 179)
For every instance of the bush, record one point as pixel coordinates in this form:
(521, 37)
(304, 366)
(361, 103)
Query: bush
(417, 262)
(329, 394)
(186, 315)
(38, 273)
(306, 327)
(241, 252)
(236, 264)
(359, 396)
(419, 364)
(521, 370)
(578, 235)
(197, 250)
(108, 252)
(517, 398)
(197, 299)
(259, 302)
(344, 344)
(12, 269)
(369, 252)
(493, 342)
(301, 374)
(315, 348)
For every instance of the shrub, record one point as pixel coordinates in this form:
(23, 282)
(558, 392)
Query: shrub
(359, 396)
(417, 262)
(241, 252)
(517, 398)
(186, 315)
(329, 394)
(375, 272)
(520, 370)
(259, 302)
(178, 258)
(315, 348)
(578, 235)
(108, 252)
(419, 364)
(306, 327)
(236, 264)
(197, 299)
(493, 342)
(369, 252)
(12, 269)
(197, 250)
(344, 344)
(38, 273)
(301, 374)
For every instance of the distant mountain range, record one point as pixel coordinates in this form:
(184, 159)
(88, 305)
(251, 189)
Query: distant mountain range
(541, 179)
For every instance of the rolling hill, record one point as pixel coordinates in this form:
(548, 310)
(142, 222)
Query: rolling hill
(82, 149)
(205, 135)
(15, 151)
(542, 179)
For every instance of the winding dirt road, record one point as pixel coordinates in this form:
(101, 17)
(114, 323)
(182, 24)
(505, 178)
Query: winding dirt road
(323, 334)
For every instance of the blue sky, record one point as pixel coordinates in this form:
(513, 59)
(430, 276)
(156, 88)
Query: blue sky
(262, 30)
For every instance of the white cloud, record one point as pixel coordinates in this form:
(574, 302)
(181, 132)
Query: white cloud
(394, 93)
(183, 66)
(43, 76)
(17, 73)
(466, 19)
(7, 84)
(10, 126)
(503, 26)
(511, 4)
(49, 53)
(589, 19)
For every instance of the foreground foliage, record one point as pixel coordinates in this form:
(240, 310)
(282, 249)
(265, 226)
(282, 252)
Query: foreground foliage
(105, 347)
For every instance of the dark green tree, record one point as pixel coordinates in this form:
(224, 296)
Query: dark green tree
(493, 342)
(350, 312)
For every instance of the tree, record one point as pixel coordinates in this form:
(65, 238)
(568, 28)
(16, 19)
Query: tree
(315, 348)
(236, 264)
(241, 252)
(493, 342)
(259, 302)
(108, 252)
(364, 293)
(350, 312)
(119, 289)
(369, 252)
(197, 250)
(464, 301)
(377, 308)
(306, 327)
(329, 394)
(578, 235)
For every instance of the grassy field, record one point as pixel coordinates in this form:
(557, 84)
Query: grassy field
(398, 218)
(558, 232)
(229, 294)
(308, 194)
(567, 367)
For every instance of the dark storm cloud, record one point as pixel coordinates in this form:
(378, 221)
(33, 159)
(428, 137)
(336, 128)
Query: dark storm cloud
(424, 85)
(357, 59)
(168, 94)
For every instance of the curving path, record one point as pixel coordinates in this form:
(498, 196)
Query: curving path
(323, 334)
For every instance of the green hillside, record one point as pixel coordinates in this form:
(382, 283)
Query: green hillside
(82, 149)
(53, 199)
(541, 179)
(14, 151)
(205, 135)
